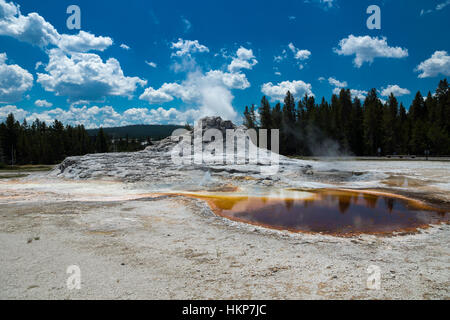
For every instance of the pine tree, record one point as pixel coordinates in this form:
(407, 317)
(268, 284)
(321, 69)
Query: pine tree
(288, 141)
(246, 117)
(404, 131)
(302, 128)
(324, 115)
(254, 121)
(250, 117)
(372, 123)
(390, 126)
(335, 118)
(277, 117)
(301, 116)
(357, 132)
(289, 110)
(11, 138)
(366, 129)
(443, 104)
(39, 144)
(57, 141)
(418, 141)
(2, 155)
(101, 143)
(345, 109)
(265, 114)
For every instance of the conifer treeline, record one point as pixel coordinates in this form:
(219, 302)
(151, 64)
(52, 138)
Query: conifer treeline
(306, 128)
(371, 128)
(40, 143)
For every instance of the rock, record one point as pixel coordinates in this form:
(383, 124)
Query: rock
(216, 123)
(154, 165)
(68, 162)
(307, 170)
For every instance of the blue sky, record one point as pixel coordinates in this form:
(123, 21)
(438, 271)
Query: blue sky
(176, 61)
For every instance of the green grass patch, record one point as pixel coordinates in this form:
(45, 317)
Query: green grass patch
(13, 176)
(28, 167)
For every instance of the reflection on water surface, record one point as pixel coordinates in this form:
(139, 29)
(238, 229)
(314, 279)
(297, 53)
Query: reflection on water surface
(329, 211)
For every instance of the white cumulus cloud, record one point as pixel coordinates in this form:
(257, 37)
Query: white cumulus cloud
(83, 42)
(277, 92)
(231, 80)
(394, 89)
(186, 47)
(337, 83)
(157, 96)
(366, 49)
(18, 113)
(35, 30)
(31, 28)
(244, 60)
(438, 63)
(299, 54)
(84, 76)
(360, 94)
(43, 103)
(105, 116)
(71, 70)
(14, 81)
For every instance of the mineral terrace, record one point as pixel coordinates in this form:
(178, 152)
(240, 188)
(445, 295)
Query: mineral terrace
(127, 220)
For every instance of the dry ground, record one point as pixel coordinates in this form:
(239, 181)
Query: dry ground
(175, 248)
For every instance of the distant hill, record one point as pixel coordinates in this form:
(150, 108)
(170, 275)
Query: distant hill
(141, 131)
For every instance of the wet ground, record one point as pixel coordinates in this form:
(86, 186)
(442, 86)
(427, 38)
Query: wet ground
(335, 212)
